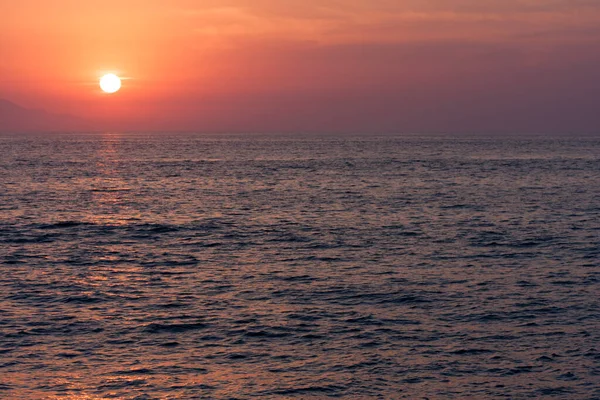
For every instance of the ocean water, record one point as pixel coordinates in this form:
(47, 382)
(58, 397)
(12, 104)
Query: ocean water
(231, 267)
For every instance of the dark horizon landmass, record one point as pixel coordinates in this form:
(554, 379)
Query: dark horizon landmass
(17, 119)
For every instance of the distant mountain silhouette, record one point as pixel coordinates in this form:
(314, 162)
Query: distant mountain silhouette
(17, 119)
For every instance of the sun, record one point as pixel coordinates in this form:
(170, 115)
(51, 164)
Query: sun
(110, 83)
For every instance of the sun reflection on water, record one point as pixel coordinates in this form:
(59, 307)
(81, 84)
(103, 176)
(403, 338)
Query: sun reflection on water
(111, 190)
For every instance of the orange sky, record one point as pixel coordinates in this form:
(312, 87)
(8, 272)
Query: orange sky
(295, 65)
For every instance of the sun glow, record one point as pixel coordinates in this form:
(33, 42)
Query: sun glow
(110, 83)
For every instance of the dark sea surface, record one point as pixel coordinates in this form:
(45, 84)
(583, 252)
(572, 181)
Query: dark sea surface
(207, 267)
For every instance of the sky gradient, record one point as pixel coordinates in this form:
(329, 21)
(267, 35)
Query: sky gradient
(487, 66)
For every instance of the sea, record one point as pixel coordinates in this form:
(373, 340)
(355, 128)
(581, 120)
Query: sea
(146, 266)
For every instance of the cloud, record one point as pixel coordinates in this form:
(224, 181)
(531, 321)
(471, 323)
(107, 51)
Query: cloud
(393, 21)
